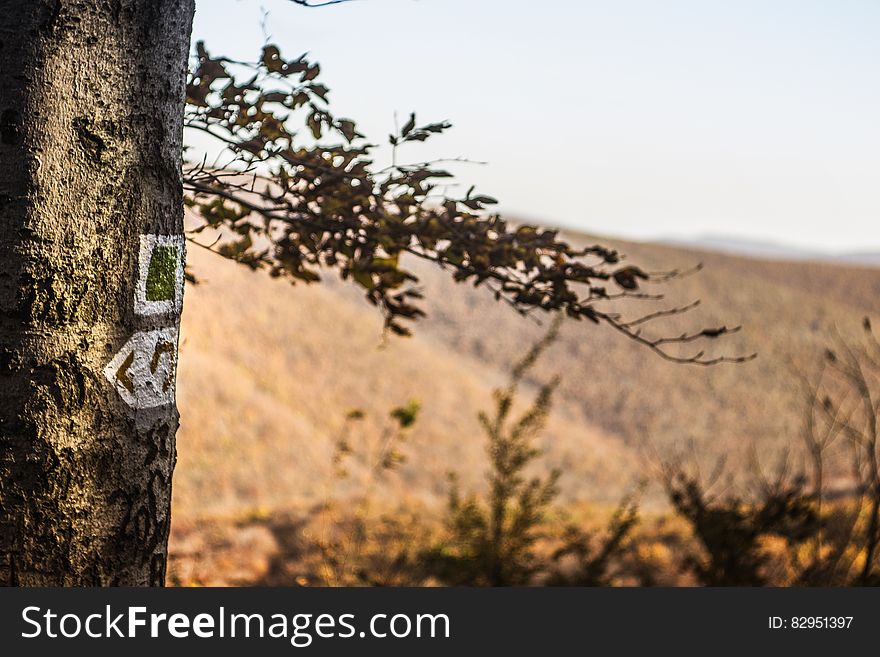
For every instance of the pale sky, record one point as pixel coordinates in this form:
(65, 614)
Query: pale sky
(755, 119)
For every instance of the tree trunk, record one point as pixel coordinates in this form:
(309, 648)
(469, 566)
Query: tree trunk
(91, 106)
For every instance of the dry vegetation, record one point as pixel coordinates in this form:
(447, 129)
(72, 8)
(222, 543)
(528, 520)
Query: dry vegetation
(269, 374)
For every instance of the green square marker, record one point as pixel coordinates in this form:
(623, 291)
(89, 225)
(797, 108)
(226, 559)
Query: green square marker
(162, 274)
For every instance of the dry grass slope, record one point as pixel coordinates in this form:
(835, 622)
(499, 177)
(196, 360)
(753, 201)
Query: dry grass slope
(269, 371)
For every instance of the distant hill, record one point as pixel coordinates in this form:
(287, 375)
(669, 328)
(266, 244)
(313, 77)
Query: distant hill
(772, 250)
(269, 371)
(870, 259)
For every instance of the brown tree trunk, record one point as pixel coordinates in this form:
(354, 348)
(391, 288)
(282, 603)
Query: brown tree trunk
(91, 105)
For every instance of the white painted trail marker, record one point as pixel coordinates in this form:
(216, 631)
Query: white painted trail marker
(160, 275)
(143, 371)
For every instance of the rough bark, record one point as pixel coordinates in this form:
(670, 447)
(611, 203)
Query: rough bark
(91, 104)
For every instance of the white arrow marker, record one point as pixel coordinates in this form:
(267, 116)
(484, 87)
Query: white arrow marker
(143, 370)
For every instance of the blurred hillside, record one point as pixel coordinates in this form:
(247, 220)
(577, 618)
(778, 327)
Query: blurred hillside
(268, 373)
